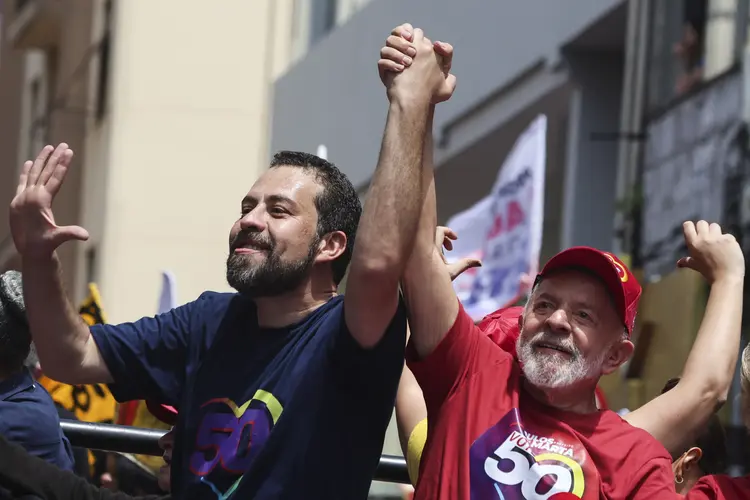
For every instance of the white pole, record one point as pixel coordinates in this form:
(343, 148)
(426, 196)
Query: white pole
(322, 151)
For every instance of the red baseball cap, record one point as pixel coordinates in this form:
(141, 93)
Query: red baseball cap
(167, 414)
(622, 285)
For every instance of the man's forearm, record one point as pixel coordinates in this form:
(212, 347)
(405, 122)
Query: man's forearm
(710, 365)
(432, 303)
(62, 339)
(425, 239)
(386, 233)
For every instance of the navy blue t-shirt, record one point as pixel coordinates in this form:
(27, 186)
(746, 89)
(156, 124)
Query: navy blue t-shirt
(292, 413)
(28, 417)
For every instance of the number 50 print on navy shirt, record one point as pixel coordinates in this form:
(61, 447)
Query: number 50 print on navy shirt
(231, 435)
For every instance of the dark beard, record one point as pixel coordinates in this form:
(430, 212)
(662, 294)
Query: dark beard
(272, 276)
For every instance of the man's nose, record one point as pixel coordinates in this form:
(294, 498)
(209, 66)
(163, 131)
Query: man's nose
(253, 221)
(558, 322)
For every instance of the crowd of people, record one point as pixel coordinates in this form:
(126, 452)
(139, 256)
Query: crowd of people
(284, 389)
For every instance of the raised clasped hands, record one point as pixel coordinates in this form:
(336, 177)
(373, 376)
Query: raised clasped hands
(414, 68)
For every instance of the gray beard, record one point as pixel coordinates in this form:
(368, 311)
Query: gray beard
(550, 371)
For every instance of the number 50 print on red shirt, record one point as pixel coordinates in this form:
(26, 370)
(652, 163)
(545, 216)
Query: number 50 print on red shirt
(510, 462)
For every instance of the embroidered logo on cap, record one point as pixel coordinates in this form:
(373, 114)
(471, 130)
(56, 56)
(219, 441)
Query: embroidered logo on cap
(620, 269)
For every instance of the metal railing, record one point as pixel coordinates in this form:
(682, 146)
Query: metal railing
(126, 439)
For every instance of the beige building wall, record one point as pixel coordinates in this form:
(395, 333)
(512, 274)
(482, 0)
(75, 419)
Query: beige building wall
(51, 39)
(183, 138)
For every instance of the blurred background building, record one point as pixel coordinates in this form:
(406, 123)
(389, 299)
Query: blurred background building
(174, 107)
(646, 128)
(166, 105)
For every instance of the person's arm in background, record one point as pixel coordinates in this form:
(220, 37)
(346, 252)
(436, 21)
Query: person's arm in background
(386, 231)
(676, 417)
(25, 474)
(65, 347)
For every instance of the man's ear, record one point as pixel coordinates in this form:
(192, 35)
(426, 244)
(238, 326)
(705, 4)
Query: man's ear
(331, 246)
(691, 458)
(618, 354)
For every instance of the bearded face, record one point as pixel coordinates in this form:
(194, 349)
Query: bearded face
(553, 362)
(255, 267)
(571, 333)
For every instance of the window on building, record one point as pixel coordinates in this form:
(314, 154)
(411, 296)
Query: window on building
(691, 41)
(668, 34)
(314, 19)
(322, 18)
(105, 45)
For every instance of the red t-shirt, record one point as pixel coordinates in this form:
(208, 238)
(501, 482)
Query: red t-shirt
(502, 327)
(489, 438)
(720, 487)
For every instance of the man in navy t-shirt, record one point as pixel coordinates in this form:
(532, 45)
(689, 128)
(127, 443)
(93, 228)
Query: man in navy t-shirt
(285, 389)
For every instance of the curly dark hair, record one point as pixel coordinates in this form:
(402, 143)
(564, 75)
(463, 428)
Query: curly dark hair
(338, 205)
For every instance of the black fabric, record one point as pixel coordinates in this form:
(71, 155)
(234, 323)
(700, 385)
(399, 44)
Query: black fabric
(25, 476)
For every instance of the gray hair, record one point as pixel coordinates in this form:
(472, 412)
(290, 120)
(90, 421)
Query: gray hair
(15, 337)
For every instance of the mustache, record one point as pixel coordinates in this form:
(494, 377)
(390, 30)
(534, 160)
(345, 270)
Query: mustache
(245, 239)
(549, 339)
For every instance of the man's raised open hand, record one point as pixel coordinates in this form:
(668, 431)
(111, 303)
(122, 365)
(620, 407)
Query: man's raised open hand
(444, 237)
(714, 254)
(32, 222)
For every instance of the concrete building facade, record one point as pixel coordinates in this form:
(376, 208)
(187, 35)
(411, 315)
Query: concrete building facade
(167, 107)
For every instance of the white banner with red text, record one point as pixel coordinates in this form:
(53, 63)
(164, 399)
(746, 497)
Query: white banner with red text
(504, 229)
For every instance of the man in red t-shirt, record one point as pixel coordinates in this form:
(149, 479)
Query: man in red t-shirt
(498, 429)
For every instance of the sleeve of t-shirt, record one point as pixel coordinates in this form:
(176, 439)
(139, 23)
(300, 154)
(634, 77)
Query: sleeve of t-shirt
(706, 488)
(463, 351)
(41, 440)
(414, 448)
(375, 367)
(147, 358)
(654, 479)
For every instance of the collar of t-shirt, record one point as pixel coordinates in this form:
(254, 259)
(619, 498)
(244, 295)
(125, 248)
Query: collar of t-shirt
(18, 382)
(590, 420)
